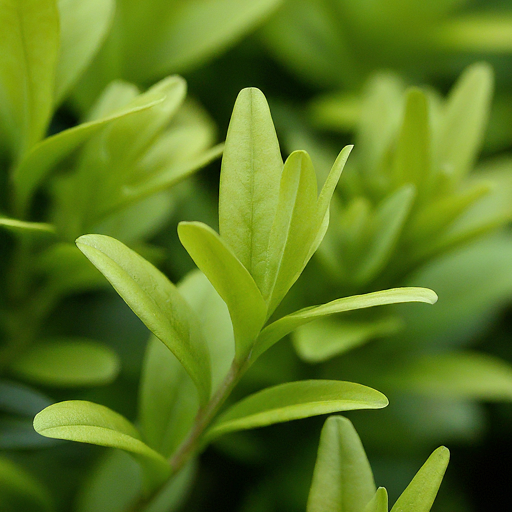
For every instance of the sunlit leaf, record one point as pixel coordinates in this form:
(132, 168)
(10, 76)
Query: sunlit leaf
(231, 280)
(83, 26)
(30, 46)
(86, 422)
(343, 479)
(249, 183)
(67, 362)
(155, 300)
(296, 400)
(20, 491)
(421, 492)
(379, 502)
(280, 328)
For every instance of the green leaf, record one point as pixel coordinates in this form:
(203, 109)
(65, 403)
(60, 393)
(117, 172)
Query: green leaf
(86, 422)
(249, 182)
(343, 479)
(30, 46)
(292, 230)
(421, 492)
(83, 26)
(412, 157)
(387, 224)
(231, 280)
(280, 328)
(465, 119)
(16, 398)
(379, 502)
(460, 375)
(20, 491)
(168, 400)
(155, 300)
(325, 338)
(18, 434)
(44, 156)
(67, 362)
(24, 228)
(296, 400)
(174, 36)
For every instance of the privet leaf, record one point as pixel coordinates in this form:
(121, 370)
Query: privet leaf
(67, 362)
(296, 400)
(379, 502)
(155, 300)
(421, 492)
(249, 182)
(280, 328)
(83, 26)
(86, 422)
(231, 280)
(343, 479)
(30, 46)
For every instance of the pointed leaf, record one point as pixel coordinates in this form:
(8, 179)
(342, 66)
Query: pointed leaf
(280, 328)
(292, 231)
(465, 120)
(87, 422)
(296, 400)
(67, 362)
(43, 157)
(379, 502)
(421, 492)
(231, 280)
(155, 300)
(83, 26)
(20, 491)
(249, 183)
(343, 479)
(30, 45)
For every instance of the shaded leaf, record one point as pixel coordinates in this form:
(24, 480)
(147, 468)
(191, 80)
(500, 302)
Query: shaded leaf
(67, 362)
(249, 182)
(296, 400)
(421, 492)
(155, 300)
(280, 328)
(83, 26)
(30, 229)
(19, 434)
(231, 280)
(16, 398)
(343, 479)
(30, 46)
(86, 422)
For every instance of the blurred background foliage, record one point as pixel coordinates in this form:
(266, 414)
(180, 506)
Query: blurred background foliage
(99, 136)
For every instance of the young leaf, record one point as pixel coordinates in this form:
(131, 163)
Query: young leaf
(231, 280)
(465, 120)
(83, 26)
(343, 479)
(280, 328)
(86, 422)
(379, 502)
(20, 491)
(296, 400)
(249, 183)
(292, 230)
(155, 300)
(421, 492)
(67, 362)
(30, 46)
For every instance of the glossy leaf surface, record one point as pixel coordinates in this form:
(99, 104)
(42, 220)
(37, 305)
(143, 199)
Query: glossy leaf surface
(155, 300)
(296, 400)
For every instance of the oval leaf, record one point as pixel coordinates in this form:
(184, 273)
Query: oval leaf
(156, 301)
(422, 491)
(296, 400)
(280, 328)
(343, 479)
(67, 362)
(87, 422)
(231, 280)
